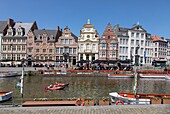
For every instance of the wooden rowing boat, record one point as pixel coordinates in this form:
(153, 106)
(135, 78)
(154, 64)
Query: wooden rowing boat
(4, 96)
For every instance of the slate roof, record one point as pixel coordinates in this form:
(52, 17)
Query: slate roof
(26, 26)
(48, 32)
(3, 24)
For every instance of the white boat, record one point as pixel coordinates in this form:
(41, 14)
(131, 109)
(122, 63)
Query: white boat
(127, 98)
(154, 76)
(7, 74)
(4, 96)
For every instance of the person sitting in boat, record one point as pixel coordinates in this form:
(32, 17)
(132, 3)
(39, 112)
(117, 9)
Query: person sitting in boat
(50, 86)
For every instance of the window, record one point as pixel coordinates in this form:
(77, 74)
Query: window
(103, 46)
(94, 47)
(109, 37)
(142, 43)
(19, 33)
(37, 57)
(70, 41)
(61, 51)
(42, 57)
(14, 40)
(18, 48)
(19, 40)
(18, 57)
(57, 50)
(44, 50)
(88, 36)
(112, 55)
(14, 47)
(29, 50)
(4, 48)
(81, 47)
(66, 35)
(37, 50)
(51, 44)
(62, 41)
(142, 35)
(50, 50)
(23, 48)
(46, 58)
(9, 48)
(70, 50)
(37, 44)
(132, 42)
(137, 42)
(44, 44)
(74, 51)
(102, 54)
(132, 34)
(137, 35)
(87, 47)
(50, 58)
(113, 46)
(30, 44)
(66, 41)
(10, 33)
(66, 50)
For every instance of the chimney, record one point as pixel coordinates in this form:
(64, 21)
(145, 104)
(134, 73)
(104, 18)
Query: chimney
(10, 22)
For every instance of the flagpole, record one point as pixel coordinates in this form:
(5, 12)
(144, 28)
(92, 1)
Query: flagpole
(22, 83)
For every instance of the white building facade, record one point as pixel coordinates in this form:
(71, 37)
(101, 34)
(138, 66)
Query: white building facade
(133, 39)
(88, 43)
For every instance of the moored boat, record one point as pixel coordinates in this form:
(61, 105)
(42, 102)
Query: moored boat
(131, 75)
(130, 98)
(7, 74)
(4, 96)
(154, 76)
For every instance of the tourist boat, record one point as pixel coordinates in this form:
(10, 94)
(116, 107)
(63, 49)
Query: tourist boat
(7, 74)
(130, 98)
(154, 76)
(131, 75)
(54, 87)
(4, 96)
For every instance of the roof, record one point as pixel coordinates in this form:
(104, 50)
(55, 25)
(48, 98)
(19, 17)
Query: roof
(156, 38)
(3, 25)
(26, 26)
(48, 32)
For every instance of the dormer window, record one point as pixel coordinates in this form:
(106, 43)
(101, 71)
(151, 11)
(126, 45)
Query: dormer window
(10, 31)
(19, 31)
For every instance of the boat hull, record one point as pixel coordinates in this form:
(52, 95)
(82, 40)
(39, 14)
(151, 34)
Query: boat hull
(6, 74)
(4, 96)
(120, 75)
(154, 76)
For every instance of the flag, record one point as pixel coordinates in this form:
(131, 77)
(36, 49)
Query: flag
(20, 83)
(144, 54)
(18, 86)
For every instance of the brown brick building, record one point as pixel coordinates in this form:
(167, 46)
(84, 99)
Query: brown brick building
(41, 46)
(108, 45)
(66, 48)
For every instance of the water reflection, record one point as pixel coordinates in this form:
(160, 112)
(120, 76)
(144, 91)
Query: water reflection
(93, 87)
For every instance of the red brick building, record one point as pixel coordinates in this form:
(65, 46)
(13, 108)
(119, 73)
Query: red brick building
(108, 45)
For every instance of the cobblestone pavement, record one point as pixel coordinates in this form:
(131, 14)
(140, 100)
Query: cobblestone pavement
(119, 109)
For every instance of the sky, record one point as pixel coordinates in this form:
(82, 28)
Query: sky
(152, 15)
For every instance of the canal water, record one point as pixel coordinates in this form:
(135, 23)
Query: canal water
(91, 87)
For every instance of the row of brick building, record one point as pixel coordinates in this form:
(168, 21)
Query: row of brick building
(20, 40)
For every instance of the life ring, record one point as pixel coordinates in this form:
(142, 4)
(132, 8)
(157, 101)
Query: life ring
(119, 101)
(79, 100)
